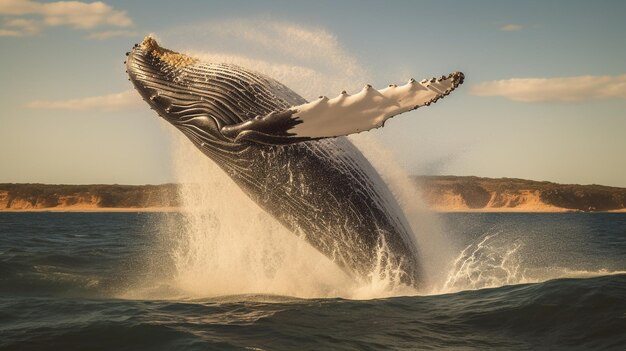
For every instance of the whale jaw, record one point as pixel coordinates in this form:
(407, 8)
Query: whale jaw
(155, 73)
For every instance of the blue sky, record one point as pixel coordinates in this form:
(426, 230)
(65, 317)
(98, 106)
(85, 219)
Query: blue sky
(544, 96)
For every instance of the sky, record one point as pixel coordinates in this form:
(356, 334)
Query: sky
(544, 96)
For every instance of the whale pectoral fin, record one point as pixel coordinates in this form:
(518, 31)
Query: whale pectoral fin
(271, 129)
(343, 115)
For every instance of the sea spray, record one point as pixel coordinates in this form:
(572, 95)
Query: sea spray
(485, 264)
(436, 249)
(498, 251)
(228, 245)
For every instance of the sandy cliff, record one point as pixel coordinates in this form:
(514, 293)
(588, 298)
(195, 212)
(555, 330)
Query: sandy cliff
(46, 197)
(451, 193)
(443, 193)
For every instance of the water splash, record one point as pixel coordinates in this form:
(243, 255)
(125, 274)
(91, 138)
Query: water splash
(384, 279)
(495, 260)
(436, 249)
(485, 264)
(227, 245)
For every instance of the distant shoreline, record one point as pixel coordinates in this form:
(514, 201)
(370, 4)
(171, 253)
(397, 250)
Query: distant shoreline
(94, 209)
(180, 209)
(443, 194)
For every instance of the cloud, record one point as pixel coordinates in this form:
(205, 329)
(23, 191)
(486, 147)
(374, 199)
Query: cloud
(511, 27)
(18, 27)
(32, 16)
(298, 43)
(104, 35)
(309, 60)
(110, 102)
(565, 89)
(9, 33)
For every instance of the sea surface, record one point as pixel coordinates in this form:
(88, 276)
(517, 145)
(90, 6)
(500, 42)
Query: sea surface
(73, 281)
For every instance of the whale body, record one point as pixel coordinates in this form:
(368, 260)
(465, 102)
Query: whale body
(291, 156)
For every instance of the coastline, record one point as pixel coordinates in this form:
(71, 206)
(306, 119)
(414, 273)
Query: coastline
(93, 209)
(179, 209)
(440, 194)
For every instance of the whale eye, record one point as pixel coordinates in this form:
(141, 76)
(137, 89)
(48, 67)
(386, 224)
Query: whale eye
(160, 101)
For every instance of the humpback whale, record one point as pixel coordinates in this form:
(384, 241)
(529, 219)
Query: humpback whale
(291, 156)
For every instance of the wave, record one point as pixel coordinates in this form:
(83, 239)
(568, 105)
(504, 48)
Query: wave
(564, 313)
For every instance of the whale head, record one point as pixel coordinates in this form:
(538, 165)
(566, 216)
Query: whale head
(200, 98)
(158, 75)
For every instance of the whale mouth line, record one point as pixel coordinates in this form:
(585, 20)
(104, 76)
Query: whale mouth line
(154, 72)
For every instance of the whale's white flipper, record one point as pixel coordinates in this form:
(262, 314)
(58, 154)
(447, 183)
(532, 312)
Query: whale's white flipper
(344, 114)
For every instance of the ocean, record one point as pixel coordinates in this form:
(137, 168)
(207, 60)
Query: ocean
(114, 281)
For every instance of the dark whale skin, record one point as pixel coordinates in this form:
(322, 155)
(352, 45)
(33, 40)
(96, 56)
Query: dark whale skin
(322, 190)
